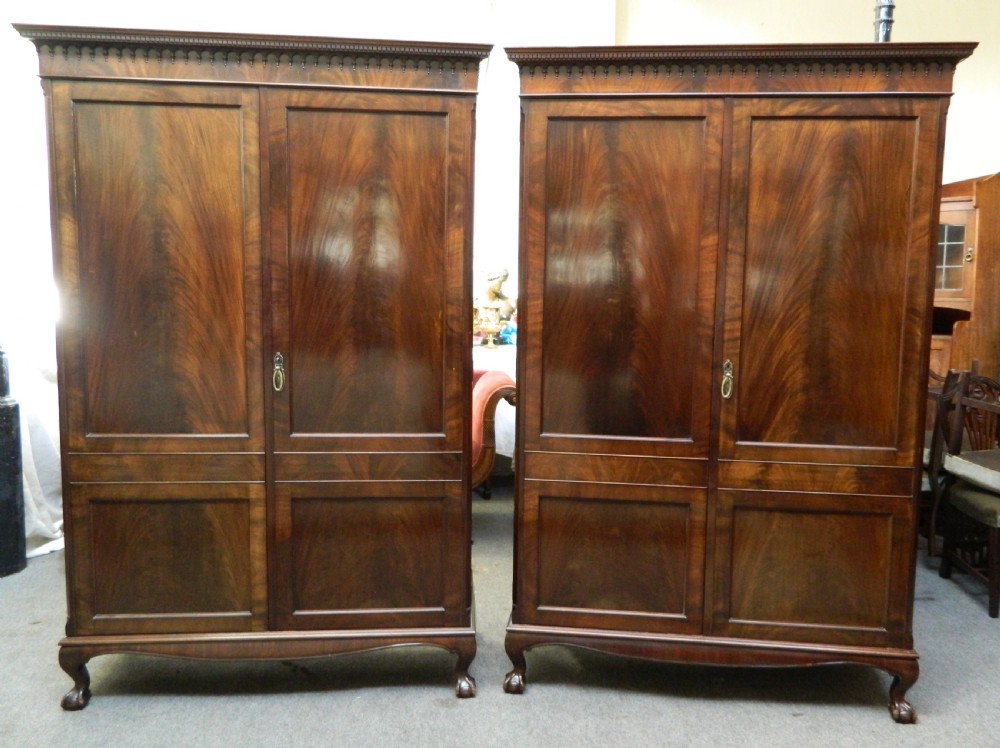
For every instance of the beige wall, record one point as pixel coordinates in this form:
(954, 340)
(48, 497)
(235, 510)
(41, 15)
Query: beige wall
(25, 265)
(26, 306)
(972, 146)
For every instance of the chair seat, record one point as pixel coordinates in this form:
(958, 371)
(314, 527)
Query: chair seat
(975, 502)
(488, 388)
(980, 468)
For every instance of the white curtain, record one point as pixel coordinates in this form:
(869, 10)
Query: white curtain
(33, 386)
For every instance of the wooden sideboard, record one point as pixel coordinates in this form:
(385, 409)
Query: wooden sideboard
(725, 291)
(968, 274)
(263, 248)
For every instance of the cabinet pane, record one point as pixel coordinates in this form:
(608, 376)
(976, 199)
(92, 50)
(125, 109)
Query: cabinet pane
(824, 280)
(811, 566)
(171, 557)
(367, 553)
(367, 239)
(161, 220)
(613, 556)
(177, 557)
(951, 257)
(788, 565)
(624, 219)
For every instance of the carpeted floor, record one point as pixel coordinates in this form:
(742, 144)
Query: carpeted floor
(574, 698)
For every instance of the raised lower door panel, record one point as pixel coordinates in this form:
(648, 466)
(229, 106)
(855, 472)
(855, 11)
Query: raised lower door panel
(820, 568)
(610, 556)
(367, 556)
(167, 558)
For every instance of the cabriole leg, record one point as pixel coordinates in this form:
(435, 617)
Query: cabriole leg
(465, 684)
(74, 662)
(899, 707)
(514, 682)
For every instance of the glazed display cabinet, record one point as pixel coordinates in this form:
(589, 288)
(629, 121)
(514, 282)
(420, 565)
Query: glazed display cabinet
(968, 264)
(263, 249)
(726, 278)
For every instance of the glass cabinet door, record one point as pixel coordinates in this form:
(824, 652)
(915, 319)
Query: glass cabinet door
(955, 264)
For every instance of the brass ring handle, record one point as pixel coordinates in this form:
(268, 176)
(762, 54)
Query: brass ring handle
(727, 380)
(278, 373)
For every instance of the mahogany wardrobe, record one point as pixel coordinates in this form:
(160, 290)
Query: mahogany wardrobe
(726, 259)
(263, 246)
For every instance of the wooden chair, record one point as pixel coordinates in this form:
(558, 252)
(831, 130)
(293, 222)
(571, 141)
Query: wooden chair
(972, 523)
(489, 387)
(942, 396)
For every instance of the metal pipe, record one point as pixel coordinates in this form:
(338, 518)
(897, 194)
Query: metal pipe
(883, 20)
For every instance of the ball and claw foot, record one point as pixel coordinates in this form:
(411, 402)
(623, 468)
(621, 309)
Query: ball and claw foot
(899, 707)
(902, 712)
(76, 699)
(514, 682)
(75, 667)
(465, 686)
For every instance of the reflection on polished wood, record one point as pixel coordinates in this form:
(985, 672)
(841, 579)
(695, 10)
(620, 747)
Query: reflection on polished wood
(367, 220)
(620, 284)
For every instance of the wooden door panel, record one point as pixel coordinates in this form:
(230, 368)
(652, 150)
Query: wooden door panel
(621, 279)
(369, 288)
(161, 269)
(369, 281)
(361, 555)
(824, 266)
(812, 567)
(616, 327)
(607, 556)
(172, 558)
(824, 282)
(367, 232)
(621, 286)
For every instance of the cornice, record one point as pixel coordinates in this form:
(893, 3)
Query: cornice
(770, 54)
(739, 69)
(72, 41)
(756, 60)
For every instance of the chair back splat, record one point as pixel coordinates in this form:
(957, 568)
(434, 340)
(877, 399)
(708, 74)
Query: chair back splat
(942, 396)
(972, 494)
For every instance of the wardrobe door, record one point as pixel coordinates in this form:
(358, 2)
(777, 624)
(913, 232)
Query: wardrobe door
(619, 237)
(157, 257)
(369, 247)
(825, 306)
